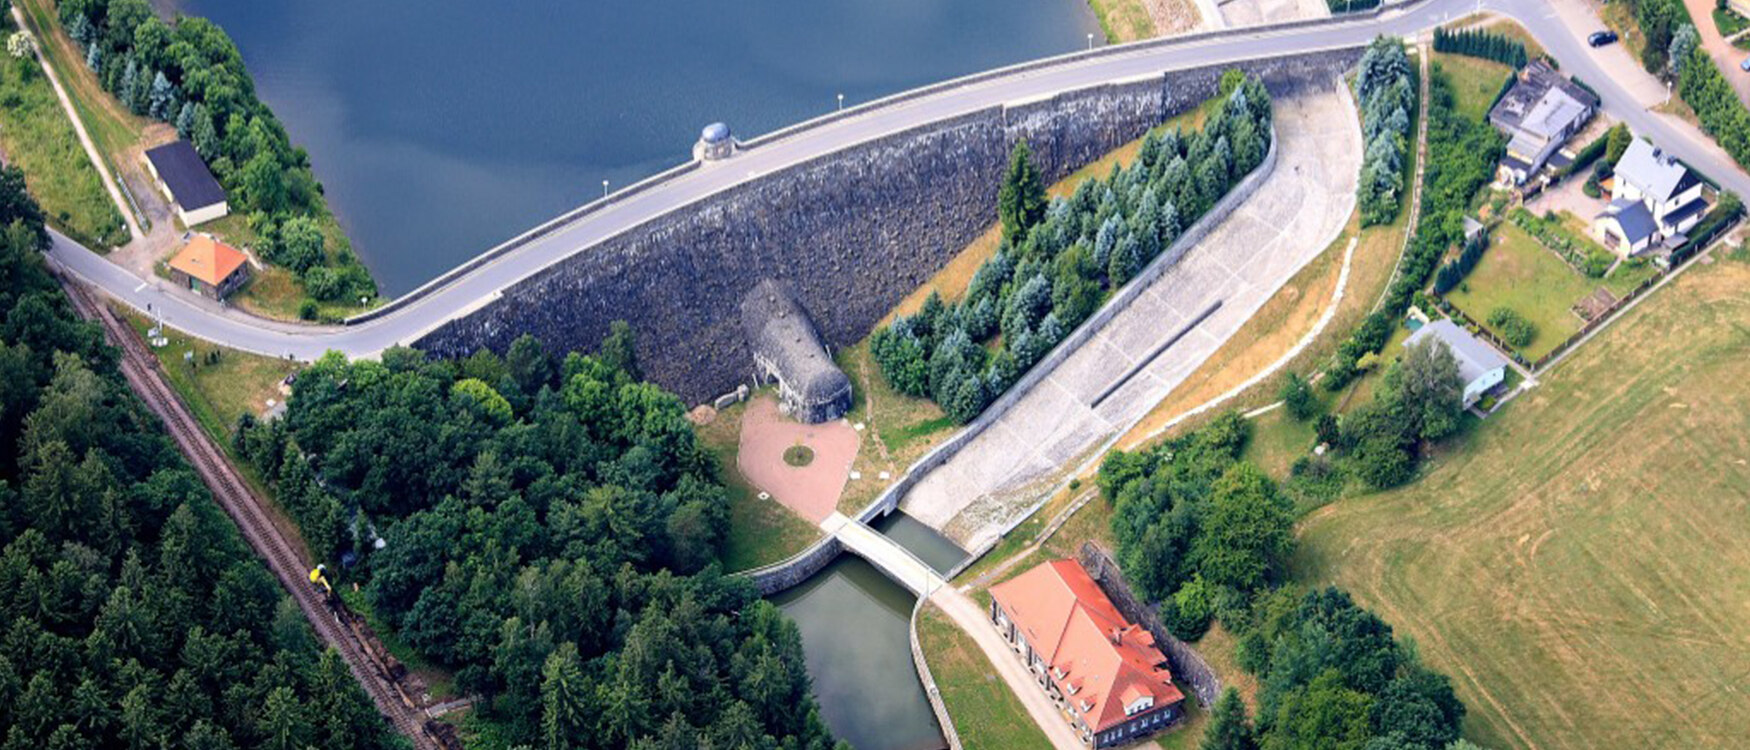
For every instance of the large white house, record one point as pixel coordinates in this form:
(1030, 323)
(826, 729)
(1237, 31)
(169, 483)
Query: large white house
(1480, 366)
(1654, 199)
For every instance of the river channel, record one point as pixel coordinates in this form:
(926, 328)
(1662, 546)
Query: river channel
(856, 636)
(442, 127)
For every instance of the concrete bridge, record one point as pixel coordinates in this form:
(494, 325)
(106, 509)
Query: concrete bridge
(485, 280)
(897, 562)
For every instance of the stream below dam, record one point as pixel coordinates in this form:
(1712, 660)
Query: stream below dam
(856, 637)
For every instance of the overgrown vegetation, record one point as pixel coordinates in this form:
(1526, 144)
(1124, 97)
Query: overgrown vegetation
(135, 616)
(1484, 44)
(1454, 271)
(1208, 535)
(551, 532)
(1513, 327)
(1659, 22)
(38, 138)
(1579, 251)
(1462, 154)
(1721, 112)
(1060, 260)
(191, 75)
(1386, 88)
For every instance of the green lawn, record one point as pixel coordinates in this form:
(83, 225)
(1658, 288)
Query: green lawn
(1519, 273)
(1277, 439)
(39, 139)
(986, 712)
(1475, 81)
(1729, 23)
(1581, 567)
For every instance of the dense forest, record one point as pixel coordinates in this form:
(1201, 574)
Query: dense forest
(1061, 259)
(1208, 534)
(1386, 90)
(549, 531)
(135, 615)
(191, 75)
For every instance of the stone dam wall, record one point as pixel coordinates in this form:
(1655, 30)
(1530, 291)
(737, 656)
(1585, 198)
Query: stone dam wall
(851, 232)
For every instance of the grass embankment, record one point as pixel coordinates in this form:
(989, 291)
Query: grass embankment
(1577, 542)
(113, 129)
(37, 137)
(985, 710)
(761, 532)
(219, 385)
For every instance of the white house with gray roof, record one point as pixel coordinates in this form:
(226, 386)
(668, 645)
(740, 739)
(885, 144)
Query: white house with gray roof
(1479, 365)
(1654, 199)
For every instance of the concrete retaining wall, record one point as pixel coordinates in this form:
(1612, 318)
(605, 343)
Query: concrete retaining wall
(949, 733)
(852, 232)
(791, 572)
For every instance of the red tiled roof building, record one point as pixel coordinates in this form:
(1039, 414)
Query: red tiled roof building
(1105, 672)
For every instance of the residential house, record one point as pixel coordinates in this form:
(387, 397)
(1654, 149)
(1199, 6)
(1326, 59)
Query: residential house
(1539, 113)
(1102, 670)
(1654, 199)
(187, 183)
(210, 267)
(1479, 365)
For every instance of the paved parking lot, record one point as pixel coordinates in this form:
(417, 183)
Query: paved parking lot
(1297, 211)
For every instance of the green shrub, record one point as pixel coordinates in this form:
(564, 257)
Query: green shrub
(1512, 327)
(307, 309)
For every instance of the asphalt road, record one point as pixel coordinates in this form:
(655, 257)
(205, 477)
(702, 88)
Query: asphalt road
(481, 286)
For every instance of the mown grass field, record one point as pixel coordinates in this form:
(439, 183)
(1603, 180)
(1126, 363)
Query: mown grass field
(1581, 565)
(217, 392)
(37, 137)
(986, 712)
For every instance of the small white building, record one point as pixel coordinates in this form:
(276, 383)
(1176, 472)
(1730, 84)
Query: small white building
(1539, 113)
(187, 183)
(1654, 199)
(1479, 365)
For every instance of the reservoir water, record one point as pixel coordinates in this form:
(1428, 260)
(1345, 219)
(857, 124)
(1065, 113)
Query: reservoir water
(856, 636)
(443, 127)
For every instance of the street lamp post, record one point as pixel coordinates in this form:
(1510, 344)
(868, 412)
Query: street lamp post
(1090, 40)
(841, 101)
(604, 188)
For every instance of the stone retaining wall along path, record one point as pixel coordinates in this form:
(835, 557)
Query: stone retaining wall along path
(1293, 214)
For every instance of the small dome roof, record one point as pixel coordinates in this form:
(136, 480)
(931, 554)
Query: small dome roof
(716, 132)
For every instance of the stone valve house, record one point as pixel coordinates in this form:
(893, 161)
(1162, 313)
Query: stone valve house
(788, 351)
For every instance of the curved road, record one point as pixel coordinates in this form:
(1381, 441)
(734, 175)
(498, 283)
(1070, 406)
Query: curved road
(618, 214)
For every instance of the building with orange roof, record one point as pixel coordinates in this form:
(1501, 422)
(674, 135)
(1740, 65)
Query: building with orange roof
(1104, 671)
(210, 267)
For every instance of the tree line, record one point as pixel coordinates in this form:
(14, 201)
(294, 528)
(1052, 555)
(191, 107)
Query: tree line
(190, 74)
(1453, 271)
(1059, 260)
(550, 531)
(134, 614)
(1462, 154)
(1659, 22)
(1487, 45)
(1386, 88)
(1716, 105)
(1208, 535)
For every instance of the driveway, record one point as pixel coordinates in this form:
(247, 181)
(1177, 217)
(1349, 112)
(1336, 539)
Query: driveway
(1295, 213)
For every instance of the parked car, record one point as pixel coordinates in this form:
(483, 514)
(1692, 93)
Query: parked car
(1601, 38)
(1745, 66)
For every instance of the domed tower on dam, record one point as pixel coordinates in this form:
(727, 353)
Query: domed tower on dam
(715, 143)
(788, 351)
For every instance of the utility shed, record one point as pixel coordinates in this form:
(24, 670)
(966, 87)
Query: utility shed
(187, 182)
(788, 351)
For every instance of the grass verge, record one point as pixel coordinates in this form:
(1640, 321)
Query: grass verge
(761, 532)
(985, 710)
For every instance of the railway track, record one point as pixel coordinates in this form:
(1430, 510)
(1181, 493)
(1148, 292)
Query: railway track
(374, 670)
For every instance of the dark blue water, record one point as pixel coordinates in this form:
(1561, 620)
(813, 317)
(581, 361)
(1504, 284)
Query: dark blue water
(443, 127)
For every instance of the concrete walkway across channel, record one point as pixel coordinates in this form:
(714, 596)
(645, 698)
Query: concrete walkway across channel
(897, 562)
(1295, 213)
